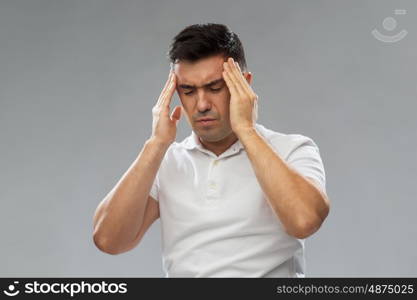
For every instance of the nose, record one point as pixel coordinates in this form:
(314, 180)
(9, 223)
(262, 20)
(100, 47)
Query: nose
(203, 103)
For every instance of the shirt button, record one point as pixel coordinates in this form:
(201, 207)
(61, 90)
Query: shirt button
(215, 162)
(212, 185)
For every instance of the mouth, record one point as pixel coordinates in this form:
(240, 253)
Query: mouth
(205, 122)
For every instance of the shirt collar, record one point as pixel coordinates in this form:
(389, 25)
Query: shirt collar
(193, 142)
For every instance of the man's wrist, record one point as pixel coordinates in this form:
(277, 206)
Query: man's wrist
(245, 132)
(155, 142)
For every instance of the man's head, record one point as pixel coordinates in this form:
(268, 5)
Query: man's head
(197, 54)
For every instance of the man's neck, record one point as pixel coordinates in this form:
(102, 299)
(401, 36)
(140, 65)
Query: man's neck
(220, 146)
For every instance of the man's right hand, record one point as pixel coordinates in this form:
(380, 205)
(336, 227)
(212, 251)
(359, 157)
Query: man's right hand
(164, 126)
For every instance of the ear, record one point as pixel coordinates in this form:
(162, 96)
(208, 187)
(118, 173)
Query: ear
(248, 76)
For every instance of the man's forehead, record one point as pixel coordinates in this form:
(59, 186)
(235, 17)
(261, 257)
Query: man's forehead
(200, 72)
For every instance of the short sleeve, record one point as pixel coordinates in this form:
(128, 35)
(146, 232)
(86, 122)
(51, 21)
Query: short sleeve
(155, 188)
(305, 158)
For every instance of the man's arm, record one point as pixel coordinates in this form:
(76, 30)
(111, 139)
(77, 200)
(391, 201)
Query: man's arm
(120, 216)
(297, 201)
(120, 220)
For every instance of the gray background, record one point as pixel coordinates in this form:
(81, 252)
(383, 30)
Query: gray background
(78, 80)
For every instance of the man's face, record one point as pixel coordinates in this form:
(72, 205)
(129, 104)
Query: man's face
(204, 94)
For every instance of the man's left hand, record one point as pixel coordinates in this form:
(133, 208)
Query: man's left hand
(243, 100)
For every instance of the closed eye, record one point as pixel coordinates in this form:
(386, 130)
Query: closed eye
(215, 90)
(211, 89)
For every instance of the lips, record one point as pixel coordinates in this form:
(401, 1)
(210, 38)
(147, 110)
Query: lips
(206, 121)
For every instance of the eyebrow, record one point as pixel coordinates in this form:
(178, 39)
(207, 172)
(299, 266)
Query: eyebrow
(213, 82)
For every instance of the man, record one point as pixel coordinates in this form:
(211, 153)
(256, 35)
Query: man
(235, 199)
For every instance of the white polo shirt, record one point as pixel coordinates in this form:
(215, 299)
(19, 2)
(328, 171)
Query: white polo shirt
(215, 218)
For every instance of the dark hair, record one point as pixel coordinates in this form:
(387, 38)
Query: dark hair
(203, 40)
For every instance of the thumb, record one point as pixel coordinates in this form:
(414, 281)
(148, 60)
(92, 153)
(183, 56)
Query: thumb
(176, 113)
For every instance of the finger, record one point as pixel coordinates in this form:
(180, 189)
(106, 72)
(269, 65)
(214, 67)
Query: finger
(230, 84)
(242, 77)
(232, 79)
(244, 83)
(165, 88)
(169, 79)
(237, 74)
(166, 101)
(176, 113)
